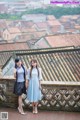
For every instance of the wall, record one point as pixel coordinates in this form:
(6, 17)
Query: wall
(56, 96)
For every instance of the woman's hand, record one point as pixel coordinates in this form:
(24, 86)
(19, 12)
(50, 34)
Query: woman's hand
(26, 84)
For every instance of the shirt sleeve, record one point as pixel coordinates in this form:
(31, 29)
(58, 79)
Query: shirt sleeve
(28, 74)
(40, 74)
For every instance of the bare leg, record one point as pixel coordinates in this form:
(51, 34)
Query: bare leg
(36, 104)
(20, 108)
(33, 105)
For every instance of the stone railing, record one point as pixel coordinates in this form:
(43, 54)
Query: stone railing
(6, 91)
(56, 95)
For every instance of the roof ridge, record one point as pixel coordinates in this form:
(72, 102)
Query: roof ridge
(54, 49)
(47, 50)
(12, 43)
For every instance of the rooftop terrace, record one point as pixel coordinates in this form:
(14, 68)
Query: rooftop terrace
(61, 78)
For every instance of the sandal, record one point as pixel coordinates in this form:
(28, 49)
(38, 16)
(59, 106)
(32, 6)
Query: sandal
(33, 109)
(22, 113)
(36, 110)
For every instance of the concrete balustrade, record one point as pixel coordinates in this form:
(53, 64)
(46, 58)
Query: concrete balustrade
(56, 95)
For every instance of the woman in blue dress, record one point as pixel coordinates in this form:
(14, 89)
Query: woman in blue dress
(34, 77)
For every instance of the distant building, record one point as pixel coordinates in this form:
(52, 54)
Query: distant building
(71, 23)
(16, 7)
(34, 17)
(11, 33)
(55, 26)
(3, 8)
(46, 1)
(34, 5)
(63, 40)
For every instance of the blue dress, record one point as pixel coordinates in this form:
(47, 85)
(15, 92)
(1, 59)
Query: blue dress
(34, 92)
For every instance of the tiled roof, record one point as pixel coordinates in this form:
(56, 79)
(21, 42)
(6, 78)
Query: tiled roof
(71, 22)
(65, 18)
(63, 40)
(41, 44)
(27, 23)
(28, 30)
(71, 30)
(13, 30)
(53, 22)
(8, 22)
(3, 25)
(13, 46)
(31, 42)
(22, 38)
(69, 18)
(33, 36)
(4, 57)
(68, 24)
(39, 34)
(75, 17)
(51, 17)
(42, 25)
(21, 23)
(77, 27)
(55, 29)
(57, 64)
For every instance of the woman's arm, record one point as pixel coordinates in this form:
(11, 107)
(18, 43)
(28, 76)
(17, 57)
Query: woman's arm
(14, 73)
(27, 78)
(27, 83)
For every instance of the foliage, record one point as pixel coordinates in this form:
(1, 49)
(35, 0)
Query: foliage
(56, 11)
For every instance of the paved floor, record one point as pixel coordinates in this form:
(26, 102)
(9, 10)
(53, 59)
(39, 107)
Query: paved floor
(42, 115)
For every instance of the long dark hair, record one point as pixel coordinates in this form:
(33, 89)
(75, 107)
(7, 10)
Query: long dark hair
(16, 61)
(35, 61)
